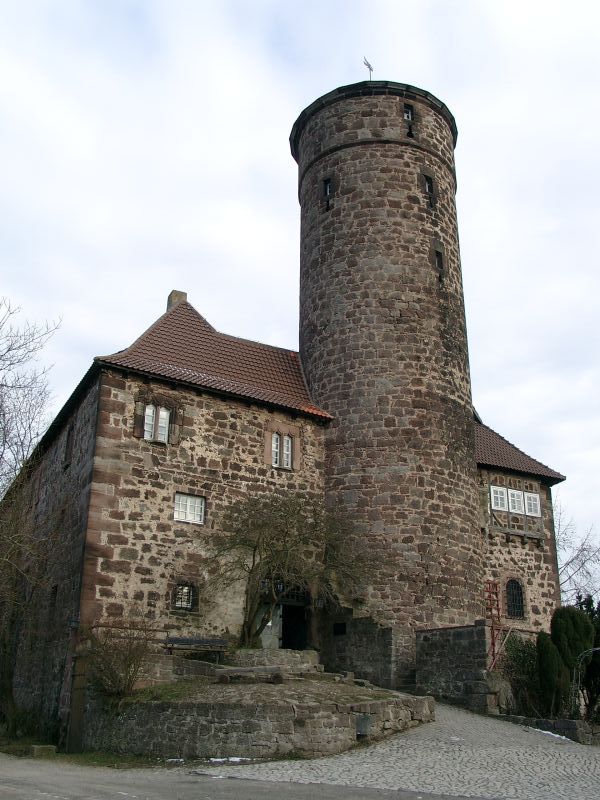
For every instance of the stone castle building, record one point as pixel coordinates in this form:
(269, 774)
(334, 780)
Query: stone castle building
(374, 415)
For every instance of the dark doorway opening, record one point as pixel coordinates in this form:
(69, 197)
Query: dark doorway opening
(294, 627)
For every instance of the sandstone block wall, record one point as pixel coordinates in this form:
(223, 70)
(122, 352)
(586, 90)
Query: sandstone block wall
(451, 665)
(136, 551)
(219, 730)
(383, 345)
(522, 547)
(59, 489)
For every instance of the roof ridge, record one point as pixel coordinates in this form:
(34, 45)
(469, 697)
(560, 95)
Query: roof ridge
(169, 312)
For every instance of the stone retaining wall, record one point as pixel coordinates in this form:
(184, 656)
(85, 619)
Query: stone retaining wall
(219, 730)
(451, 665)
(575, 729)
(273, 658)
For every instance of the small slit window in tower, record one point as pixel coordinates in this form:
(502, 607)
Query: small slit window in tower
(409, 112)
(429, 187)
(327, 192)
(439, 265)
(515, 606)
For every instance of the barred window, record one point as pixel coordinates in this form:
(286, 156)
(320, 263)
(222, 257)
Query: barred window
(184, 597)
(515, 606)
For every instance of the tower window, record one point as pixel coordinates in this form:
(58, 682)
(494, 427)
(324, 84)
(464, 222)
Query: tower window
(515, 605)
(409, 112)
(327, 192)
(439, 265)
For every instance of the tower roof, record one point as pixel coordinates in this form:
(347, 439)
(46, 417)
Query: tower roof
(182, 346)
(369, 89)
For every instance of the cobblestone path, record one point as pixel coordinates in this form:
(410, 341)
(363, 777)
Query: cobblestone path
(459, 754)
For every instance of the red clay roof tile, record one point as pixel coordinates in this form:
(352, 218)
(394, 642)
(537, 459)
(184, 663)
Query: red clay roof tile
(181, 345)
(492, 450)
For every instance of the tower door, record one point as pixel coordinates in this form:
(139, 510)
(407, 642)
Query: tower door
(294, 627)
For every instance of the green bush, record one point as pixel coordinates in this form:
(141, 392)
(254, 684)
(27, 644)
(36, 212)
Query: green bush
(572, 632)
(519, 667)
(553, 676)
(591, 677)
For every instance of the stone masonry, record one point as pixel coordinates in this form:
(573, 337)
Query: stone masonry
(140, 551)
(383, 345)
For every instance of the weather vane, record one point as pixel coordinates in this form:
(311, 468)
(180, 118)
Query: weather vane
(368, 66)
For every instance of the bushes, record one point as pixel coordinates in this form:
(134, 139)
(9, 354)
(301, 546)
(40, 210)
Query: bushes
(553, 677)
(519, 666)
(572, 632)
(117, 655)
(540, 674)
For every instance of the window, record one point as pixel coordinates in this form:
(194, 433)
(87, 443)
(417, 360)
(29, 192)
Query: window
(515, 502)
(156, 423)
(439, 265)
(532, 505)
(281, 450)
(515, 606)
(499, 498)
(409, 112)
(68, 454)
(327, 190)
(429, 185)
(189, 508)
(184, 597)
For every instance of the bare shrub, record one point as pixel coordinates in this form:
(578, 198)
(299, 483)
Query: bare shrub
(117, 655)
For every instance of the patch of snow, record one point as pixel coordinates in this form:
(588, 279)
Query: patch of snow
(550, 733)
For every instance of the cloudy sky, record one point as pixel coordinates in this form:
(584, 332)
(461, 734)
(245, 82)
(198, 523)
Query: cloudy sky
(144, 147)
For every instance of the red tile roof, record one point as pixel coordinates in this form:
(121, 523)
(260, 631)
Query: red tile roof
(181, 345)
(492, 450)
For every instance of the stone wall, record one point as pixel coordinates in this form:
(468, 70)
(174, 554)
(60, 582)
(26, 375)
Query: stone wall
(137, 552)
(522, 547)
(360, 642)
(576, 729)
(219, 730)
(59, 487)
(273, 658)
(384, 349)
(451, 665)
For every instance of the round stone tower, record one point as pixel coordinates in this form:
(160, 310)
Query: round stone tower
(384, 349)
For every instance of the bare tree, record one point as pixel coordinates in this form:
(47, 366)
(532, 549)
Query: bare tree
(578, 558)
(278, 544)
(23, 390)
(23, 548)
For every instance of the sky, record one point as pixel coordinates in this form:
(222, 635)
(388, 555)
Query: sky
(144, 147)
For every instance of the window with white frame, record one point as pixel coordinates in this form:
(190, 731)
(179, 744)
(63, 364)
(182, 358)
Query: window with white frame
(156, 423)
(499, 498)
(515, 501)
(189, 508)
(532, 504)
(281, 450)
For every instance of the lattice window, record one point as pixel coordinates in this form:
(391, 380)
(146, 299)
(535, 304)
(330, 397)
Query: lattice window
(515, 602)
